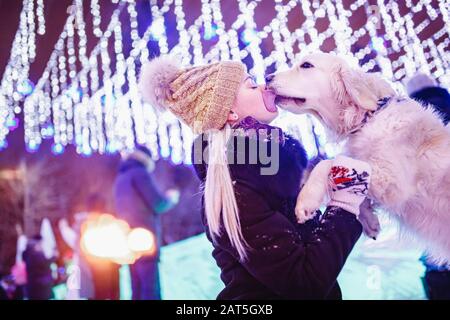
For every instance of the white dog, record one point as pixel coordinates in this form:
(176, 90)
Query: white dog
(406, 144)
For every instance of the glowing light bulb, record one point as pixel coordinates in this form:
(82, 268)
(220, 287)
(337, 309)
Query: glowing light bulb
(157, 29)
(141, 240)
(32, 146)
(57, 148)
(105, 237)
(248, 36)
(25, 87)
(210, 31)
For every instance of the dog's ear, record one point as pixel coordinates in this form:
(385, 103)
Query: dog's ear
(353, 87)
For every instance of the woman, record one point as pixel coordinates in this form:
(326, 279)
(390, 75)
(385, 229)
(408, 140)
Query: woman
(249, 216)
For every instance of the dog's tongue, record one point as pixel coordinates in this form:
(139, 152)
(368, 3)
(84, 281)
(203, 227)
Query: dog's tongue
(269, 101)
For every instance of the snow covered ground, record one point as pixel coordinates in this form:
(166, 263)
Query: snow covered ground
(383, 269)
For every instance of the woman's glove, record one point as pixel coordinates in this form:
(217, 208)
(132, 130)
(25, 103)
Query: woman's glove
(349, 180)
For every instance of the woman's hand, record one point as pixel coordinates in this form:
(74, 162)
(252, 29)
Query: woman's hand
(349, 181)
(344, 179)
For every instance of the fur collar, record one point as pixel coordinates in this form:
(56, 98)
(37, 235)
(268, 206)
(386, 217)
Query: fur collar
(252, 128)
(292, 156)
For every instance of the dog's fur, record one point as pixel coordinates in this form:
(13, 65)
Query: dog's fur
(406, 144)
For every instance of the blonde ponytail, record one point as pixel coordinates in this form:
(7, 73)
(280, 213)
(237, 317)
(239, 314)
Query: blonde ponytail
(219, 193)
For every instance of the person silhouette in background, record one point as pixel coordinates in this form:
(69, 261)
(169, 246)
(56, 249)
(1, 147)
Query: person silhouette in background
(83, 288)
(39, 274)
(424, 89)
(105, 273)
(139, 202)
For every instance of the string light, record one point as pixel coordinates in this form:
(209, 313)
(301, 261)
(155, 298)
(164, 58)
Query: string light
(73, 105)
(15, 85)
(97, 19)
(40, 17)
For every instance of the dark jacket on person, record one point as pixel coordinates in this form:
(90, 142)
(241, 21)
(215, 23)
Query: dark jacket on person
(137, 199)
(438, 97)
(3, 293)
(285, 260)
(39, 274)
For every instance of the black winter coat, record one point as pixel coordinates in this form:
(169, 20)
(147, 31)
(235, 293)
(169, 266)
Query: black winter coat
(438, 97)
(137, 198)
(286, 260)
(39, 274)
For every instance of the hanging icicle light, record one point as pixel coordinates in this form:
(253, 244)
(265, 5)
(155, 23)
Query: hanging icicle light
(72, 104)
(25, 87)
(15, 84)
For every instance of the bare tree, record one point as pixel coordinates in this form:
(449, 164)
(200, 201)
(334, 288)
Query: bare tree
(44, 193)
(11, 214)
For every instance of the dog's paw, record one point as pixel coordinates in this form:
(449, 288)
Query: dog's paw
(371, 230)
(306, 208)
(369, 221)
(302, 214)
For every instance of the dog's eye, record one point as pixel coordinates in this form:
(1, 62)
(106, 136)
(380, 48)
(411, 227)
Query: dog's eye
(306, 65)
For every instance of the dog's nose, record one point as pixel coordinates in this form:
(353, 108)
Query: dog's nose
(269, 78)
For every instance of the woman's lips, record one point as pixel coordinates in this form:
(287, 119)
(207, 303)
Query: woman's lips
(269, 100)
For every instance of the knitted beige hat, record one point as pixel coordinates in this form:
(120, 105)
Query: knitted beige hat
(201, 96)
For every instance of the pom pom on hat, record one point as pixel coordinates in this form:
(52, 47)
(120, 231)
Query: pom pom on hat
(155, 78)
(200, 96)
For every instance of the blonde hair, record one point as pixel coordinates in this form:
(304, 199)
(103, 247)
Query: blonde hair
(220, 200)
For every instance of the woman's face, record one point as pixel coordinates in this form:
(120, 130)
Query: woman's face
(255, 101)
